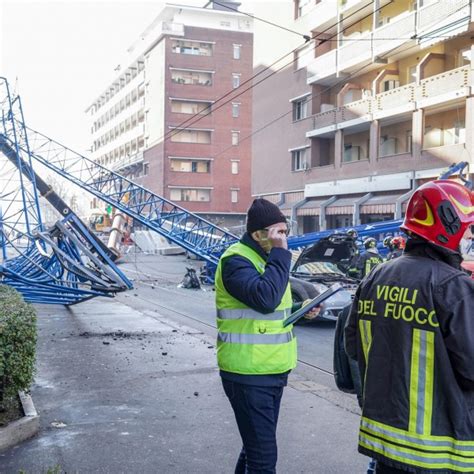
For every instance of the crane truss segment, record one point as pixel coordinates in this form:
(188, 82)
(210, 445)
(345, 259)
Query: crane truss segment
(188, 230)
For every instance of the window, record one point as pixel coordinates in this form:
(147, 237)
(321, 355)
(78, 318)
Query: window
(300, 109)
(388, 145)
(390, 84)
(185, 194)
(189, 107)
(455, 134)
(190, 166)
(197, 48)
(236, 51)
(351, 153)
(234, 195)
(298, 159)
(191, 136)
(235, 80)
(409, 141)
(235, 138)
(234, 167)
(200, 78)
(433, 137)
(464, 57)
(235, 110)
(412, 74)
(302, 7)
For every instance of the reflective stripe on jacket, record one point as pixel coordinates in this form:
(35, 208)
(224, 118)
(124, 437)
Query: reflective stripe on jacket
(250, 342)
(411, 330)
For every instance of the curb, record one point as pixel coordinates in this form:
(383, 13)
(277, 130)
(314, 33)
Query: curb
(22, 429)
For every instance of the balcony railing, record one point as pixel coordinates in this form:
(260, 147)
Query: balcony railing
(444, 83)
(401, 29)
(439, 88)
(355, 110)
(394, 98)
(354, 52)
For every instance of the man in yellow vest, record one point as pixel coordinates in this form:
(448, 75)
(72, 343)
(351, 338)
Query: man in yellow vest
(255, 352)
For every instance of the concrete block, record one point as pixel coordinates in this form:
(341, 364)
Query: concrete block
(22, 429)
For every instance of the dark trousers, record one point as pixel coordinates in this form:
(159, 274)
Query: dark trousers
(384, 469)
(256, 412)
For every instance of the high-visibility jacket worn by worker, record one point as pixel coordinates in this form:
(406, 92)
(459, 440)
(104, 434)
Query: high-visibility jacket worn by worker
(250, 342)
(411, 329)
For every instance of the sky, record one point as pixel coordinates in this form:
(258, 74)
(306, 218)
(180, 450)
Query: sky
(60, 55)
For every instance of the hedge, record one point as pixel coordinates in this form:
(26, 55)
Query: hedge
(17, 343)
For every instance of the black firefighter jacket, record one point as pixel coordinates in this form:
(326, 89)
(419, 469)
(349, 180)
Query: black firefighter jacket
(411, 329)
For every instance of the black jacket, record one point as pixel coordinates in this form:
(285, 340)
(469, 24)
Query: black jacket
(411, 329)
(367, 261)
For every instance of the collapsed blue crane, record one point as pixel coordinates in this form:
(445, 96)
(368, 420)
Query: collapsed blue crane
(62, 264)
(60, 276)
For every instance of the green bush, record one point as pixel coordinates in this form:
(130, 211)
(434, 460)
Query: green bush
(17, 343)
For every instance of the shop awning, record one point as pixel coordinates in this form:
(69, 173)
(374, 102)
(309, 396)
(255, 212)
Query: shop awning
(286, 207)
(310, 208)
(342, 206)
(382, 204)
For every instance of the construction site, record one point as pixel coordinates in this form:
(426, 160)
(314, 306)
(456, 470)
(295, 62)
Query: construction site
(126, 378)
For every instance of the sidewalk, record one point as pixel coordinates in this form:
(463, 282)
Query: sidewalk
(121, 391)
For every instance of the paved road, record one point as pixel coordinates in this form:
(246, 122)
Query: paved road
(131, 386)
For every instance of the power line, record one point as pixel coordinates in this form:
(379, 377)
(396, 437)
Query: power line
(305, 37)
(307, 99)
(200, 115)
(212, 108)
(177, 129)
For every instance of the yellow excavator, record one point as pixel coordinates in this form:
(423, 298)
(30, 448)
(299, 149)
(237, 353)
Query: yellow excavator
(100, 221)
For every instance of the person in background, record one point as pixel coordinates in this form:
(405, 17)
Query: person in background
(255, 352)
(353, 271)
(398, 245)
(370, 259)
(411, 330)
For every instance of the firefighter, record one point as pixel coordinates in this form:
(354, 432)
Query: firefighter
(352, 270)
(411, 330)
(370, 259)
(398, 245)
(387, 243)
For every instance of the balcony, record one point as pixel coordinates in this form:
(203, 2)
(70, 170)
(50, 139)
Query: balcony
(398, 100)
(127, 162)
(441, 88)
(444, 87)
(433, 23)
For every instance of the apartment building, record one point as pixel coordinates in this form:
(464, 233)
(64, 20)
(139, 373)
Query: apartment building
(160, 122)
(381, 101)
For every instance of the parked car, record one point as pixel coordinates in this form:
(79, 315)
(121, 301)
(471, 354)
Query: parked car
(319, 266)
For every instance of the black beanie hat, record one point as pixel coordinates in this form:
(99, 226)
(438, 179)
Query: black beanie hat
(261, 214)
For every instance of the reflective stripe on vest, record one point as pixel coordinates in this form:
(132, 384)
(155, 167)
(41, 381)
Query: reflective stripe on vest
(416, 446)
(413, 440)
(250, 342)
(417, 458)
(365, 328)
(421, 382)
(254, 338)
(247, 313)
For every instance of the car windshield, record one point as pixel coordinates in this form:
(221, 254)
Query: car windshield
(318, 268)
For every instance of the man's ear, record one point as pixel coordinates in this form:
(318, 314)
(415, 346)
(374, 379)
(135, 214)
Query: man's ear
(255, 235)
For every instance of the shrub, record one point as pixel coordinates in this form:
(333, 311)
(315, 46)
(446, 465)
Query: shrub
(17, 343)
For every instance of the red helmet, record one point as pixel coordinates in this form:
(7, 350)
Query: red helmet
(440, 212)
(398, 242)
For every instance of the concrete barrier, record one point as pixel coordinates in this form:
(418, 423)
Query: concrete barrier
(22, 429)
